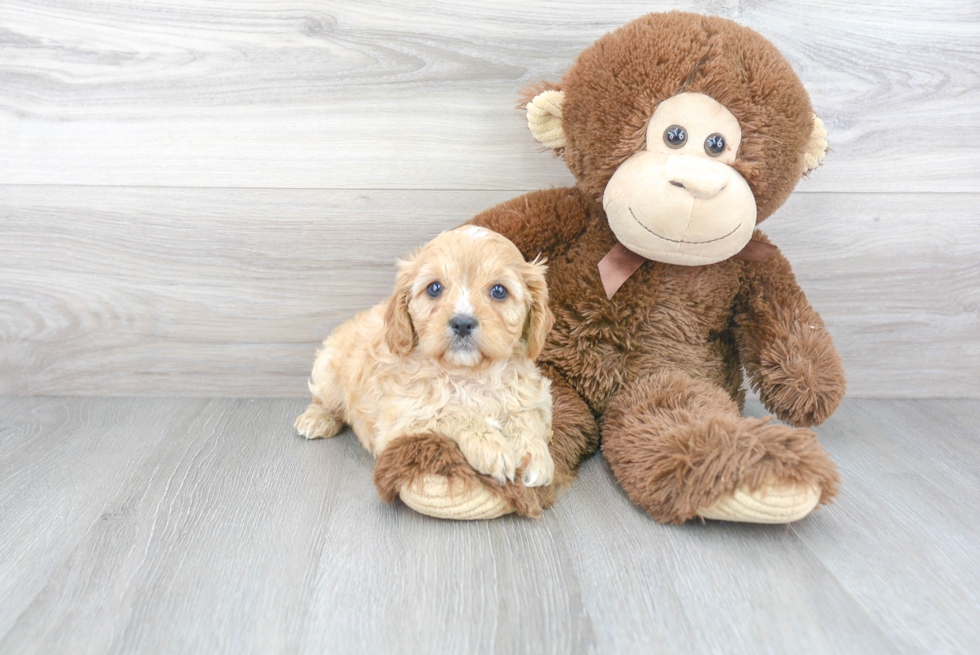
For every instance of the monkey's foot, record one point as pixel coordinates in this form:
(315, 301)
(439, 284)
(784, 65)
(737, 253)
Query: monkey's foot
(773, 503)
(435, 495)
(429, 474)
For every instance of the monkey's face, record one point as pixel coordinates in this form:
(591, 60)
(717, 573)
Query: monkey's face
(689, 129)
(679, 200)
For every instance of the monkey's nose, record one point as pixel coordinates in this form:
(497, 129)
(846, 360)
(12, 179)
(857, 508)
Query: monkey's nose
(700, 177)
(463, 324)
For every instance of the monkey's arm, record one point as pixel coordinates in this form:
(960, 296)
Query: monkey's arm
(540, 222)
(783, 344)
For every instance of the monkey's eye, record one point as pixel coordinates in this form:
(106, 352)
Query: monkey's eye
(498, 292)
(675, 136)
(434, 290)
(714, 145)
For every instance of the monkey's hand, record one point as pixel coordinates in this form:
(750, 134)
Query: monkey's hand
(800, 378)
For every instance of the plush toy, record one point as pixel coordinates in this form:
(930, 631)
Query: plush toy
(683, 132)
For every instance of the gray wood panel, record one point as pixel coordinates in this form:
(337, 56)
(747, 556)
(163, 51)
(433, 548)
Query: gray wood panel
(209, 292)
(60, 465)
(407, 95)
(232, 535)
(932, 449)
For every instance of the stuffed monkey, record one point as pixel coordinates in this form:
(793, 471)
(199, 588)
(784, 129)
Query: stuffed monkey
(683, 132)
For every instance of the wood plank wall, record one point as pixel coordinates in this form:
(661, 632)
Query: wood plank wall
(193, 193)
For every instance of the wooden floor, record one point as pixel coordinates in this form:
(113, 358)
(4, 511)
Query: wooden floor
(206, 526)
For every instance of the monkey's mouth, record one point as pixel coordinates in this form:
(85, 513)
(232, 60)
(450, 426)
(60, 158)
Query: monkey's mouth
(734, 229)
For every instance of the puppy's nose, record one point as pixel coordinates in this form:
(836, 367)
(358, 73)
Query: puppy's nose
(463, 324)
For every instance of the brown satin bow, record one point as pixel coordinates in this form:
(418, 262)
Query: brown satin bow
(621, 262)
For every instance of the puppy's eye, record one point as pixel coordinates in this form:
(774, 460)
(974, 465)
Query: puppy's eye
(498, 292)
(714, 145)
(675, 136)
(434, 290)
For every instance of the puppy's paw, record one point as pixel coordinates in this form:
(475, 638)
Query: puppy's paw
(491, 456)
(539, 468)
(317, 423)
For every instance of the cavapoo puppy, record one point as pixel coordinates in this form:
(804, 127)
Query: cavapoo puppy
(451, 352)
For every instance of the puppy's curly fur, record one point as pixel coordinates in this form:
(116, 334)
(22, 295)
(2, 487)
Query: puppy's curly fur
(451, 352)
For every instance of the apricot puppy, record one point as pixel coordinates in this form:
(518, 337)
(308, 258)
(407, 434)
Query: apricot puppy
(451, 352)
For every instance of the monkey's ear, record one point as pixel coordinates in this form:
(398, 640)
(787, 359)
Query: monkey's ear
(544, 118)
(817, 148)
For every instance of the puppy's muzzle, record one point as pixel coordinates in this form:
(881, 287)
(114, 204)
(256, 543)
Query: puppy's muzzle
(463, 324)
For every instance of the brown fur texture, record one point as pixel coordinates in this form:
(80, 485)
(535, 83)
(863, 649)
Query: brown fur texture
(576, 436)
(659, 365)
(678, 444)
(785, 347)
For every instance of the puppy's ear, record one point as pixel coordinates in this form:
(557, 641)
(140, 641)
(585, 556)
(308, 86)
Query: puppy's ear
(539, 318)
(399, 331)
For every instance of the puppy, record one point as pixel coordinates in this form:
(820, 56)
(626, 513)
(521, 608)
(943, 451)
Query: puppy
(451, 352)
